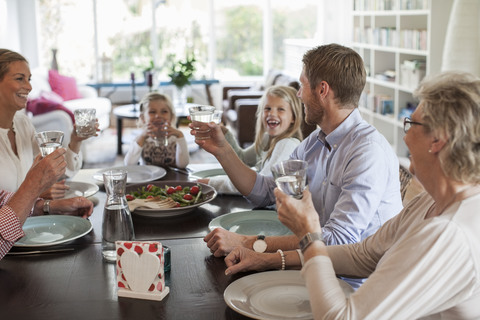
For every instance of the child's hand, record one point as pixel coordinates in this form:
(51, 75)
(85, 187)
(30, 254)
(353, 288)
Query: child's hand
(174, 132)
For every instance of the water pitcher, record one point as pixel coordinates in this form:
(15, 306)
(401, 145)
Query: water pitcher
(117, 219)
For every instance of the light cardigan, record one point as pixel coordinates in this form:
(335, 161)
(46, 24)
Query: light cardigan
(250, 157)
(13, 169)
(415, 268)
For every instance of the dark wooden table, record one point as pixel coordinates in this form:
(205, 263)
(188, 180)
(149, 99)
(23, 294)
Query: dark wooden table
(79, 285)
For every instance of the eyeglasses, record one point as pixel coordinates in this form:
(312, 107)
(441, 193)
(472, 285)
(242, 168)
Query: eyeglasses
(407, 124)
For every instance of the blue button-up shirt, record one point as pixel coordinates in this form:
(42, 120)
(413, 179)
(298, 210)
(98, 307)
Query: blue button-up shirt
(353, 175)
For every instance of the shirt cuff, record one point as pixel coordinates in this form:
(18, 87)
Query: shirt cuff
(10, 227)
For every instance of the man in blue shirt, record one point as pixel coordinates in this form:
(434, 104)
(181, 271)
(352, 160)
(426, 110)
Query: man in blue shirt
(353, 173)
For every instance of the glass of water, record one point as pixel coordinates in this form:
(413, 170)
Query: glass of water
(201, 116)
(49, 141)
(291, 177)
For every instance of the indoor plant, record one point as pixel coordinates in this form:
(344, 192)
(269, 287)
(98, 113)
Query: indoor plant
(180, 74)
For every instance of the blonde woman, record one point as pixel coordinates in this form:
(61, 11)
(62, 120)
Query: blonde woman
(158, 116)
(278, 133)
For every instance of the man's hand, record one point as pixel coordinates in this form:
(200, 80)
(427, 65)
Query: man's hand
(78, 206)
(57, 191)
(217, 142)
(221, 241)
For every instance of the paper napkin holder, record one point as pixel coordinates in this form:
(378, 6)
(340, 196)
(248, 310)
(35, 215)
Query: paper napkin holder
(140, 270)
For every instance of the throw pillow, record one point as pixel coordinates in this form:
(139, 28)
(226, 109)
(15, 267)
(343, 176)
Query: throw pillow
(43, 105)
(64, 86)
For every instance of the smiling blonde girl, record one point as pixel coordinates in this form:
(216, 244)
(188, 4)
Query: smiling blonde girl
(278, 133)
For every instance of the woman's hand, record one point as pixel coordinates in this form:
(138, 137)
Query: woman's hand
(57, 191)
(76, 141)
(46, 171)
(243, 259)
(299, 216)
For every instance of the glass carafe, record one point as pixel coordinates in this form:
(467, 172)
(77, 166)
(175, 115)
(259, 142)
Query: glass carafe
(117, 219)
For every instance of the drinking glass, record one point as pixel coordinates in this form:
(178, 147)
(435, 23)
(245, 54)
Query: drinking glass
(49, 141)
(217, 116)
(160, 136)
(85, 122)
(201, 116)
(291, 176)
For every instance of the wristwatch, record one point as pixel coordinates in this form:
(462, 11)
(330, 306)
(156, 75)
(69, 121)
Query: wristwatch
(309, 238)
(260, 245)
(46, 207)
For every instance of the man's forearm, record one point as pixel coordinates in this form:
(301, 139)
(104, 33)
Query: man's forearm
(242, 177)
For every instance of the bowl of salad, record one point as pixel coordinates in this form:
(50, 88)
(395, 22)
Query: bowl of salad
(169, 198)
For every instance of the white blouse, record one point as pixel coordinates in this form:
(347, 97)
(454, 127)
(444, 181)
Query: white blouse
(13, 169)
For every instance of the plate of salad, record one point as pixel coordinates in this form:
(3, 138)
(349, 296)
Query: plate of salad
(175, 197)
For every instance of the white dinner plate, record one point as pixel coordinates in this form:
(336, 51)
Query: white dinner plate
(253, 222)
(209, 193)
(80, 189)
(272, 295)
(51, 230)
(136, 174)
(201, 174)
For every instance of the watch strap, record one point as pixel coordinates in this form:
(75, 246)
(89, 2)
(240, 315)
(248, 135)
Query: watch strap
(309, 238)
(46, 207)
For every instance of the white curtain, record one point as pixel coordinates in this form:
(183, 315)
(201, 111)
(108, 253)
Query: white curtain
(462, 42)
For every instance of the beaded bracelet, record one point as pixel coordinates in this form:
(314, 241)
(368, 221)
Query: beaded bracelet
(283, 258)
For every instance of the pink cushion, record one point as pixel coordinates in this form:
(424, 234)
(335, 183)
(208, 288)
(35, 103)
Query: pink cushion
(64, 86)
(45, 104)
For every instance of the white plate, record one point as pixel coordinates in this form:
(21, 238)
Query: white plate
(272, 295)
(253, 222)
(136, 174)
(80, 189)
(51, 230)
(209, 193)
(208, 173)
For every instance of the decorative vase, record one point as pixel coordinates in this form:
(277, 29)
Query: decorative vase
(54, 65)
(180, 96)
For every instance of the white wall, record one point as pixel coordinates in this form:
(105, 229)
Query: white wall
(18, 29)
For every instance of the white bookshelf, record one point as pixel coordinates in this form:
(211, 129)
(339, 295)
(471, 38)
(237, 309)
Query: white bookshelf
(379, 27)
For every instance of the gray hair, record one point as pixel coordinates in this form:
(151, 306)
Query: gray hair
(451, 110)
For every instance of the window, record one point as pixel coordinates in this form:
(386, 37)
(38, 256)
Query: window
(109, 39)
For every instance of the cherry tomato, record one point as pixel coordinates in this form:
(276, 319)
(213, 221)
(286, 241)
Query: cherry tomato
(178, 204)
(150, 197)
(188, 197)
(149, 187)
(194, 190)
(129, 197)
(170, 190)
(178, 188)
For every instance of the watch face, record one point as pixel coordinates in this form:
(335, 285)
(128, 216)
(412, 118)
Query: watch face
(259, 245)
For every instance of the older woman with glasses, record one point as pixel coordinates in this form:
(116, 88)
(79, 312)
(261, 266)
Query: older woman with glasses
(426, 260)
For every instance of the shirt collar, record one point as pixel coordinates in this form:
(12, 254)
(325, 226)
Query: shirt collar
(336, 136)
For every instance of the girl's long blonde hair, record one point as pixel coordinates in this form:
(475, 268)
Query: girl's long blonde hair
(288, 94)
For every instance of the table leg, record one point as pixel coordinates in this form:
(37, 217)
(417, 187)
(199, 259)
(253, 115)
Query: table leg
(119, 135)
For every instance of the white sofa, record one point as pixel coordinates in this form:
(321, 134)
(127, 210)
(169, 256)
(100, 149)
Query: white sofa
(90, 98)
(60, 120)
